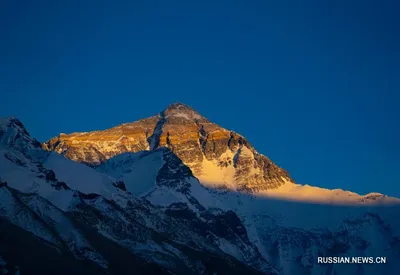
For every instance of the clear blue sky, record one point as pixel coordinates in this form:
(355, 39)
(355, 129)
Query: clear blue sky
(314, 86)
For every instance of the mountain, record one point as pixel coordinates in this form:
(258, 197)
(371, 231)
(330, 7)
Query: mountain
(176, 193)
(90, 224)
(216, 156)
(219, 158)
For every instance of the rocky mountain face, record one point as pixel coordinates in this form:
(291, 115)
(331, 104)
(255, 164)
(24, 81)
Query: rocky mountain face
(176, 194)
(217, 156)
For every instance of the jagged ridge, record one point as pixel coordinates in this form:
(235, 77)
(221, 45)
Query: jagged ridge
(217, 156)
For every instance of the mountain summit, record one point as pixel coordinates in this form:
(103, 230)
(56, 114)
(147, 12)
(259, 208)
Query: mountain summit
(217, 156)
(180, 110)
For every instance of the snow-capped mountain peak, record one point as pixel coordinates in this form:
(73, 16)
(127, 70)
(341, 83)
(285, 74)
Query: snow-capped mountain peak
(216, 156)
(14, 134)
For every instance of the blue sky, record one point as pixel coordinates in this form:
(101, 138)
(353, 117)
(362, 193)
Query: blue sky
(312, 85)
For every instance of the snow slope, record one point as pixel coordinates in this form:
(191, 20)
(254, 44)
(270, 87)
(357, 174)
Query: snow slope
(297, 192)
(80, 177)
(137, 170)
(159, 176)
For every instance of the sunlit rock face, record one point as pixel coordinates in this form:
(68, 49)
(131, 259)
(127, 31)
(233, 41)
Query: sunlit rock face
(218, 157)
(97, 146)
